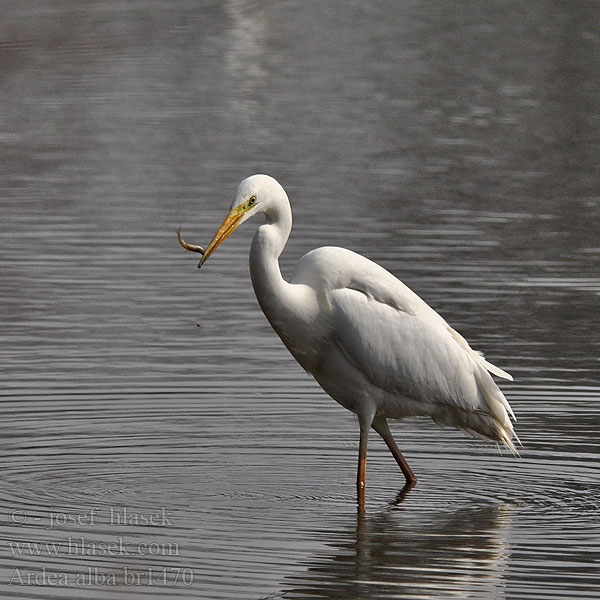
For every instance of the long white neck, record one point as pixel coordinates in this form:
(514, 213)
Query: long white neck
(272, 290)
(291, 308)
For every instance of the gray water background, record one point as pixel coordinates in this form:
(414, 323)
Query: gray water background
(455, 143)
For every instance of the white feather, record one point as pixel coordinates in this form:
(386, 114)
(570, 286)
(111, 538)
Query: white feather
(370, 341)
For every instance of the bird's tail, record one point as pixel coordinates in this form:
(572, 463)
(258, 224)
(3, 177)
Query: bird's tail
(489, 419)
(494, 415)
(500, 413)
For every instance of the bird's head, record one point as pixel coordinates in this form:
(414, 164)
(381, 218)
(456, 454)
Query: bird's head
(256, 194)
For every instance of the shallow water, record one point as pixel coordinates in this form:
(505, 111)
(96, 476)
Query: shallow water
(157, 438)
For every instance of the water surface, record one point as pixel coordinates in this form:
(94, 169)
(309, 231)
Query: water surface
(157, 438)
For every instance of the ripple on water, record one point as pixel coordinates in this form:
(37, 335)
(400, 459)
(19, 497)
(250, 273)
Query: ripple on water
(131, 381)
(478, 523)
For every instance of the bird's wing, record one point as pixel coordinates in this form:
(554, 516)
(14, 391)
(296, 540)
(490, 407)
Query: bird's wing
(402, 346)
(400, 343)
(387, 330)
(403, 353)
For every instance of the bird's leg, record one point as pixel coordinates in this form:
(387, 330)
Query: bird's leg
(362, 466)
(381, 427)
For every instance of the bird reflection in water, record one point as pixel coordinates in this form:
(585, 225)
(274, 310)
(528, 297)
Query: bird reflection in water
(412, 553)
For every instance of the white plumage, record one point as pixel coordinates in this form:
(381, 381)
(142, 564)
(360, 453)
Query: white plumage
(372, 344)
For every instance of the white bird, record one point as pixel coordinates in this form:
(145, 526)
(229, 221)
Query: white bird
(371, 343)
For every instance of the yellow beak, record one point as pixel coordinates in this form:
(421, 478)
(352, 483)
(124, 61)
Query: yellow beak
(230, 224)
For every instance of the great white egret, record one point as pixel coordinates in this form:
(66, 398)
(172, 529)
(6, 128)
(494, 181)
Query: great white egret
(371, 343)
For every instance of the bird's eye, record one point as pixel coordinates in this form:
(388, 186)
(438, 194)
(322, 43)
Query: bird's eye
(251, 200)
